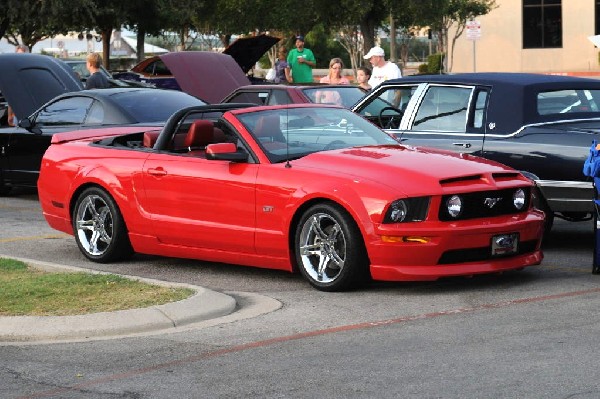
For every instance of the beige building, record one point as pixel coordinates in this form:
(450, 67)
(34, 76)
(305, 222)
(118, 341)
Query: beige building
(543, 36)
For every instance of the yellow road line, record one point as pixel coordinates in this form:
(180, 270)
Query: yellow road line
(19, 208)
(569, 269)
(32, 238)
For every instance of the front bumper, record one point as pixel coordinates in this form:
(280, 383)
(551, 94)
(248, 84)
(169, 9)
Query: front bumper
(455, 249)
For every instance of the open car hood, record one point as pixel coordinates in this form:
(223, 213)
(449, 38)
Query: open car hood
(206, 75)
(246, 51)
(28, 81)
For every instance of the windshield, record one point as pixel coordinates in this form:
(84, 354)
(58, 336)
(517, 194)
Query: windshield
(290, 133)
(154, 105)
(345, 96)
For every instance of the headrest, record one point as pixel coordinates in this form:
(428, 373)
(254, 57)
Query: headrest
(200, 134)
(150, 139)
(268, 126)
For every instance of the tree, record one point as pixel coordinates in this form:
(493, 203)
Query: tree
(107, 15)
(368, 15)
(145, 18)
(459, 13)
(441, 15)
(52, 17)
(351, 39)
(182, 18)
(4, 17)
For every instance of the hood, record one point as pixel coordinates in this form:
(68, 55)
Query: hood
(28, 81)
(206, 75)
(246, 51)
(410, 170)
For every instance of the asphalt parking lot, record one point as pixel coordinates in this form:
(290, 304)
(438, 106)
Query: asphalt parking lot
(520, 334)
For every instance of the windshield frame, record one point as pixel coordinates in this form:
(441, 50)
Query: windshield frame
(292, 133)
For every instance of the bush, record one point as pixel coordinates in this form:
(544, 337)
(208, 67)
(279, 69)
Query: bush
(435, 63)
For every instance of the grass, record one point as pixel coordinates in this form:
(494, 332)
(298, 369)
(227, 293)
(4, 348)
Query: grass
(28, 291)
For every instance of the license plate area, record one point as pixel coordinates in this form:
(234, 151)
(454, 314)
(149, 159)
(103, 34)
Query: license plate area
(505, 244)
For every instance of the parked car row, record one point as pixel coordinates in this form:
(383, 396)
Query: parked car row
(304, 187)
(317, 188)
(48, 98)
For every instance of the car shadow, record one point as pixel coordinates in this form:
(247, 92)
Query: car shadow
(570, 235)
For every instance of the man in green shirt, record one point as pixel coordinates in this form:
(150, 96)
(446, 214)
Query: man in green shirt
(302, 61)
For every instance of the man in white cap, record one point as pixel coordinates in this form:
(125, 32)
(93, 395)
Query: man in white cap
(382, 70)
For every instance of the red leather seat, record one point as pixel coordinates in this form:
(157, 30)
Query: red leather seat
(150, 139)
(198, 137)
(267, 129)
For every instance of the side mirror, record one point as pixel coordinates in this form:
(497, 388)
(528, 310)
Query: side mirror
(225, 152)
(25, 123)
(29, 125)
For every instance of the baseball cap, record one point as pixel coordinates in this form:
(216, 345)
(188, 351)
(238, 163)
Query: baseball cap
(300, 37)
(375, 51)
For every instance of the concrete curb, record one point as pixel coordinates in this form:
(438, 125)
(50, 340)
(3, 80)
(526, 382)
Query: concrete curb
(203, 305)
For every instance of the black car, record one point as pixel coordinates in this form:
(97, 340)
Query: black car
(47, 98)
(542, 125)
(278, 94)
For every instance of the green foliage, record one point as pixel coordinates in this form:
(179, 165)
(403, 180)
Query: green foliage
(223, 18)
(34, 20)
(435, 64)
(325, 48)
(9, 265)
(25, 291)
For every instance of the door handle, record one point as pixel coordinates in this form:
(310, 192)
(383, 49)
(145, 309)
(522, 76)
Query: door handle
(465, 145)
(157, 171)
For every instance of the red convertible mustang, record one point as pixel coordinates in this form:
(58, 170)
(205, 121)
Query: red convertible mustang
(304, 187)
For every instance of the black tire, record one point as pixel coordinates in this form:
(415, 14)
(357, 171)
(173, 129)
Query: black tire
(549, 216)
(99, 228)
(327, 235)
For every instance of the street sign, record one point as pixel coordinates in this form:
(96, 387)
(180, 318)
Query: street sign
(473, 30)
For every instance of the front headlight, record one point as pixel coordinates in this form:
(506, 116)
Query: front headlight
(398, 211)
(519, 199)
(455, 206)
(407, 210)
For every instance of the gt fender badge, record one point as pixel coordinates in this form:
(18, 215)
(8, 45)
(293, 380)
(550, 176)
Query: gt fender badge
(268, 208)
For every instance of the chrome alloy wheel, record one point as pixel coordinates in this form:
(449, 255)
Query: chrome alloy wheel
(94, 225)
(322, 248)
